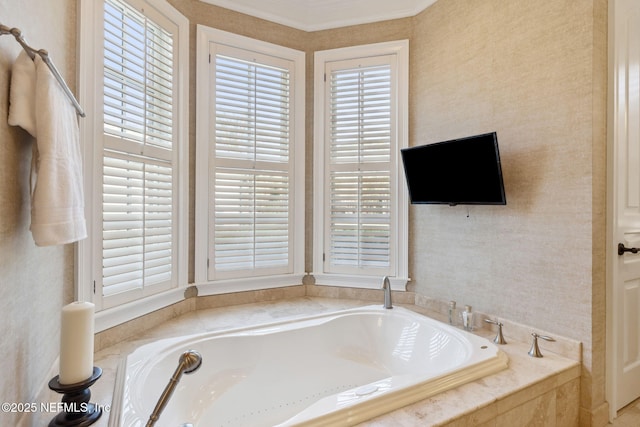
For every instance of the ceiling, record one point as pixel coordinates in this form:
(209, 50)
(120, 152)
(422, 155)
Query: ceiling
(314, 15)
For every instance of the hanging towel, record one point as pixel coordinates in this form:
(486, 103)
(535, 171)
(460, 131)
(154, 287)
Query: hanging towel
(57, 199)
(57, 203)
(22, 94)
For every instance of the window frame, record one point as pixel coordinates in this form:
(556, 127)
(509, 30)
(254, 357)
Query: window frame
(90, 90)
(399, 51)
(205, 36)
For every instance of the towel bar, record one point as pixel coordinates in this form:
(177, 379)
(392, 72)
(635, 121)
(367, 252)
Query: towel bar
(17, 34)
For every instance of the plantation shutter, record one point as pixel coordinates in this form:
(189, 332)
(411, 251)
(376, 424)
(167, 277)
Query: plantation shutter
(251, 207)
(139, 155)
(359, 199)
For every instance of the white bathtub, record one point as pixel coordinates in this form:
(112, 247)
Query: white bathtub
(334, 369)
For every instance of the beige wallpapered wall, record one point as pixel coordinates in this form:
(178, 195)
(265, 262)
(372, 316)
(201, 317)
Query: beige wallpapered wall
(34, 282)
(535, 72)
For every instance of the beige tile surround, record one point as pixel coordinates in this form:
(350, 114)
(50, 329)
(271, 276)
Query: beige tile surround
(533, 392)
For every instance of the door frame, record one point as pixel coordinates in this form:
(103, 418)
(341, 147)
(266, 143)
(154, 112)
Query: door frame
(610, 356)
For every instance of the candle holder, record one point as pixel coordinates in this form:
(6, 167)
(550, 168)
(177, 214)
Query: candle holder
(78, 412)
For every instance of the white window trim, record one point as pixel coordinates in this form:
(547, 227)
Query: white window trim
(401, 50)
(206, 35)
(88, 251)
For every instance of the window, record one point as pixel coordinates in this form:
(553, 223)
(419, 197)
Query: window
(136, 164)
(250, 171)
(360, 210)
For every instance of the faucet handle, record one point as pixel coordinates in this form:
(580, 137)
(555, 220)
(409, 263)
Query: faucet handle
(499, 339)
(535, 350)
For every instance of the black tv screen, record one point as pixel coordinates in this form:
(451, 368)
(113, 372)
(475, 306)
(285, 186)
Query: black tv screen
(459, 171)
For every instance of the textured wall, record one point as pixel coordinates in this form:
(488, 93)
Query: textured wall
(535, 72)
(34, 282)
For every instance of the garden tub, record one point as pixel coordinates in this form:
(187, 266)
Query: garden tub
(336, 369)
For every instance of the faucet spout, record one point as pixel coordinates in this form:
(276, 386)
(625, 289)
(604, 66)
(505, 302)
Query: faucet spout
(386, 286)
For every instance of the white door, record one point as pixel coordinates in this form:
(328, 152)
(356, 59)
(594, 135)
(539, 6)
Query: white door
(623, 317)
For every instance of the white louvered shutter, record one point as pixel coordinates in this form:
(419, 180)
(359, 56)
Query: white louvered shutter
(139, 155)
(250, 229)
(359, 132)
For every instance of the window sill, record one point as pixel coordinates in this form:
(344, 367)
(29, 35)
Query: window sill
(118, 315)
(248, 284)
(363, 282)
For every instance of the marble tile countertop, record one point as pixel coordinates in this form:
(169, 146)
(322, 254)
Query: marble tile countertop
(480, 400)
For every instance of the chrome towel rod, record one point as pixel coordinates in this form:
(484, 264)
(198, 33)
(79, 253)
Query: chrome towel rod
(15, 32)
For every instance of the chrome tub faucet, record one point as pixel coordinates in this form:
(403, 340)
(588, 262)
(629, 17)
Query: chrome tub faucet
(386, 287)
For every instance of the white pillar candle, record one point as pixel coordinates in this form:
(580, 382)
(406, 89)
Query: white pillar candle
(76, 342)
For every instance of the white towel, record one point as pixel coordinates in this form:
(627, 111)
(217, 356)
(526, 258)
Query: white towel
(57, 199)
(22, 94)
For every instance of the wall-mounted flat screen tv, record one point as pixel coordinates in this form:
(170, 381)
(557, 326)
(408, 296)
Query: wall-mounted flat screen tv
(459, 171)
